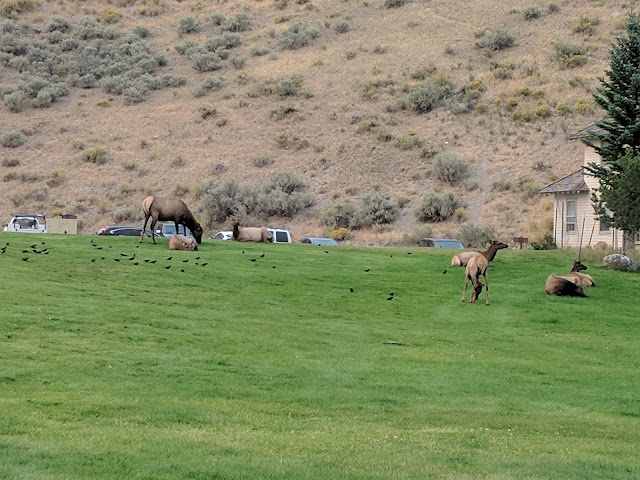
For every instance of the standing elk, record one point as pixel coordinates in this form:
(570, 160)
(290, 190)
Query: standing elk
(476, 266)
(461, 259)
(165, 209)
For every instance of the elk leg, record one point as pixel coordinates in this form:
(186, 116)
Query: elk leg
(486, 281)
(146, 219)
(464, 292)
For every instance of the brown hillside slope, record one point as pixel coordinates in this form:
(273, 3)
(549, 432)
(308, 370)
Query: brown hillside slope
(513, 137)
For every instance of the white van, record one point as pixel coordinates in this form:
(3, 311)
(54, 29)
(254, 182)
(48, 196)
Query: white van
(280, 235)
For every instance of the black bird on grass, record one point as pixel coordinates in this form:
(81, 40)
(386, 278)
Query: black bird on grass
(152, 261)
(253, 259)
(262, 256)
(197, 258)
(168, 267)
(24, 259)
(205, 264)
(444, 271)
(367, 269)
(25, 251)
(185, 261)
(93, 260)
(169, 258)
(124, 254)
(351, 289)
(117, 259)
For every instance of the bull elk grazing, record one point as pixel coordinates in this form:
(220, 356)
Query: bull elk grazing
(165, 209)
(461, 259)
(476, 266)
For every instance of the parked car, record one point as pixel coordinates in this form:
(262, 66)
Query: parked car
(223, 235)
(441, 243)
(107, 230)
(168, 229)
(125, 231)
(280, 235)
(32, 223)
(319, 241)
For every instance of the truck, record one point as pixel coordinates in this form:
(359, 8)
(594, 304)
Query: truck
(27, 223)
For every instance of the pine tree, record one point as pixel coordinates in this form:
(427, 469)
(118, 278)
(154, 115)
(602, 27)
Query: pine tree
(617, 137)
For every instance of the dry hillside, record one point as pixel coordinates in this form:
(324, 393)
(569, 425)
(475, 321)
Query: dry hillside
(335, 111)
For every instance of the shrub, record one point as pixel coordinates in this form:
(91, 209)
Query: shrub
(298, 36)
(341, 216)
(208, 84)
(378, 209)
(569, 55)
(110, 15)
(58, 23)
(409, 141)
(187, 25)
(418, 233)
(127, 214)
(546, 243)
(15, 101)
(206, 61)
(438, 207)
(428, 94)
(532, 13)
(340, 25)
(11, 139)
(283, 111)
(283, 195)
(259, 51)
(222, 201)
(236, 23)
(472, 235)
(585, 24)
(141, 31)
(497, 39)
(341, 234)
(95, 155)
(395, 3)
(450, 168)
(261, 161)
(10, 162)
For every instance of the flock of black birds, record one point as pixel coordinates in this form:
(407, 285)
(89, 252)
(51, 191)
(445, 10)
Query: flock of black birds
(33, 249)
(131, 258)
(134, 261)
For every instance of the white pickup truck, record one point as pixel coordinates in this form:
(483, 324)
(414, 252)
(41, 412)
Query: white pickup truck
(36, 223)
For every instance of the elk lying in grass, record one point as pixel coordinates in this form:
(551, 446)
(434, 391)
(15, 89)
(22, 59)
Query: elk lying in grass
(461, 259)
(180, 242)
(563, 286)
(158, 208)
(250, 234)
(476, 266)
(584, 279)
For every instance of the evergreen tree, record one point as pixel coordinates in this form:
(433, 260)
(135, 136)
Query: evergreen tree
(617, 137)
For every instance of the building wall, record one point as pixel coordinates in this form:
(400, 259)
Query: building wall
(62, 225)
(590, 156)
(586, 227)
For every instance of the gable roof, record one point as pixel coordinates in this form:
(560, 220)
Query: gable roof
(586, 132)
(572, 183)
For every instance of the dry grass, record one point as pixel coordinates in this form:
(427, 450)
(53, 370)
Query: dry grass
(383, 46)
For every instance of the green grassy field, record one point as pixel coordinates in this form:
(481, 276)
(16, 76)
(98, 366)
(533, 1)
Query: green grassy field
(274, 369)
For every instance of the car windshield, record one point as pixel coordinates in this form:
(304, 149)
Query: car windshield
(448, 244)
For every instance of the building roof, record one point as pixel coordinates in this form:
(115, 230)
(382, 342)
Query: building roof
(572, 183)
(586, 132)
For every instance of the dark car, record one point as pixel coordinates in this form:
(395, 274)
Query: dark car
(107, 230)
(131, 232)
(441, 243)
(319, 241)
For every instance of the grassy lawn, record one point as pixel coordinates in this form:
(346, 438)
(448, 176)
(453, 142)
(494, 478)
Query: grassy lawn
(274, 369)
